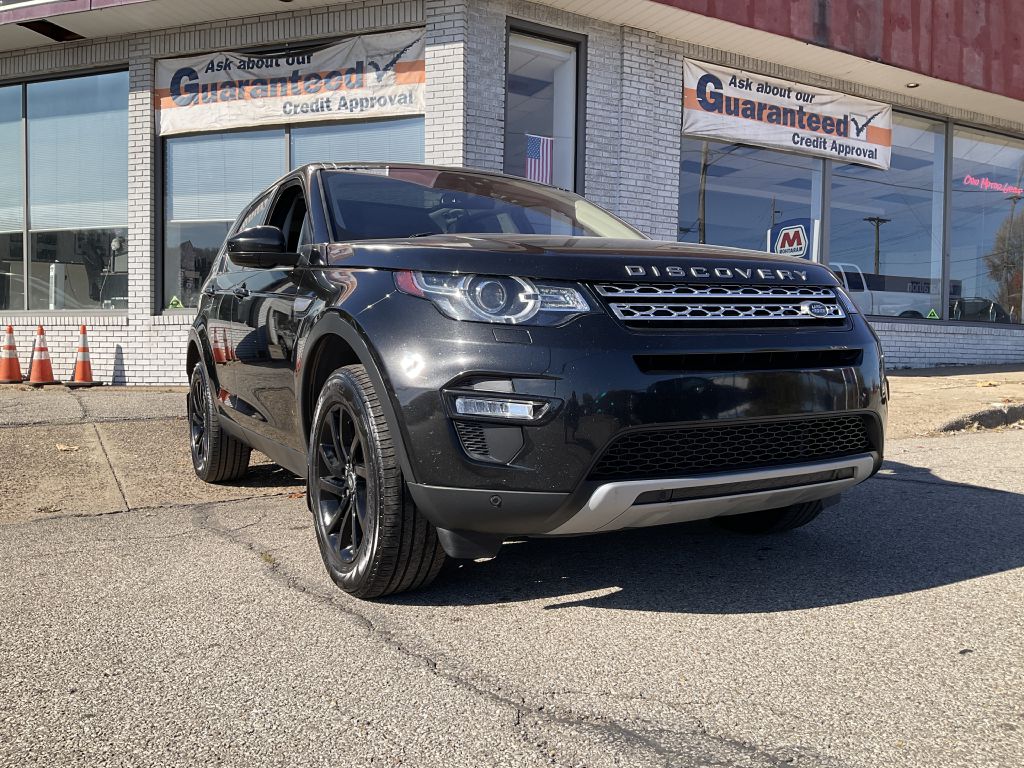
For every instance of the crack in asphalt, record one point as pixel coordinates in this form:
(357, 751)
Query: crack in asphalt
(110, 465)
(89, 420)
(648, 736)
(184, 506)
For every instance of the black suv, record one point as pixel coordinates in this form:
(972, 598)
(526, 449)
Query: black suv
(453, 357)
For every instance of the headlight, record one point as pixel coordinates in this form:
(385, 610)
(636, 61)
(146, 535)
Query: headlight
(491, 299)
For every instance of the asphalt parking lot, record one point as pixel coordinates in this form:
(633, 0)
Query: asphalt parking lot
(148, 619)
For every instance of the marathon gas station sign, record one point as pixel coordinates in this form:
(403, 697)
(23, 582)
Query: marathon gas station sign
(737, 106)
(380, 75)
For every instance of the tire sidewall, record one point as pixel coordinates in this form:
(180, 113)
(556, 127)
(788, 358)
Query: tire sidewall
(342, 388)
(200, 377)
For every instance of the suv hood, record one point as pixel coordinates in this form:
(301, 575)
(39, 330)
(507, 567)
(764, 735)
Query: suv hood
(578, 259)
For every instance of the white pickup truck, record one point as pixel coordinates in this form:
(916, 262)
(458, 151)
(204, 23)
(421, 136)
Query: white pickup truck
(891, 295)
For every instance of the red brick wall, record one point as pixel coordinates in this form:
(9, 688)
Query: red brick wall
(979, 43)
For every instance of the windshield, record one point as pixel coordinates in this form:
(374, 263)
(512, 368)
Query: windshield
(386, 203)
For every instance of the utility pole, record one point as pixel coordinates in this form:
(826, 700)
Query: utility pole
(775, 211)
(702, 191)
(878, 221)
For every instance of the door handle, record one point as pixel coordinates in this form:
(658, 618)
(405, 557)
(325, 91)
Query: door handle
(240, 291)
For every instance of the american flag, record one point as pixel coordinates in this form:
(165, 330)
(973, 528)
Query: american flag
(539, 151)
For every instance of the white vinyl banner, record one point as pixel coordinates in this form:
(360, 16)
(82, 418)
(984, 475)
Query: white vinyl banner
(733, 105)
(381, 75)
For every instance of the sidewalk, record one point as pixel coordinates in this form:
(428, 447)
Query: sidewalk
(933, 400)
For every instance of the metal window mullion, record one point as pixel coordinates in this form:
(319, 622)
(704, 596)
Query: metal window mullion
(947, 212)
(25, 213)
(824, 229)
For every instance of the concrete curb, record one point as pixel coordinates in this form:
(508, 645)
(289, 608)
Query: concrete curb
(990, 418)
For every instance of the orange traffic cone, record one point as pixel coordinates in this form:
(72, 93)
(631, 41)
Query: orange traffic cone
(218, 350)
(82, 375)
(10, 368)
(229, 348)
(40, 371)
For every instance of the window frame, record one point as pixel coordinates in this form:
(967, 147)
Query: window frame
(26, 224)
(284, 187)
(579, 42)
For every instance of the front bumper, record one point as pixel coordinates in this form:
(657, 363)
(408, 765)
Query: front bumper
(643, 503)
(590, 372)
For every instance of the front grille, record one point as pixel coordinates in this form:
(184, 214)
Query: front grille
(699, 450)
(691, 305)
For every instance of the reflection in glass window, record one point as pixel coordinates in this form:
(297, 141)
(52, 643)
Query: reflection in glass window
(987, 227)
(732, 194)
(12, 214)
(540, 123)
(886, 229)
(209, 180)
(393, 141)
(78, 192)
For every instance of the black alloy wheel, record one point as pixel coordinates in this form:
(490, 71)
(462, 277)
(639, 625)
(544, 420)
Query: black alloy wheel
(216, 455)
(373, 540)
(197, 420)
(341, 483)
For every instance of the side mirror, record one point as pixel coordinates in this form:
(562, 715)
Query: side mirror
(261, 248)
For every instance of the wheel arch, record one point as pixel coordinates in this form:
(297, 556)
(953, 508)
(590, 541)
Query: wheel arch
(334, 343)
(199, 351)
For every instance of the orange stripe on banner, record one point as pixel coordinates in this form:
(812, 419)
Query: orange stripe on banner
(410, 72)
(878, 136)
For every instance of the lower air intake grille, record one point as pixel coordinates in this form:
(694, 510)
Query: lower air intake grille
(473, 439)
(698, 450)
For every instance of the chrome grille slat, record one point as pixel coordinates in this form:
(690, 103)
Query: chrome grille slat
(655, 312)
(739, 292)
(650, 304)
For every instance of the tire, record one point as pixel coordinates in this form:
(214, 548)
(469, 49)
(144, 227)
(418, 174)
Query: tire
(772, 520)
(217, 457)
(373, 540)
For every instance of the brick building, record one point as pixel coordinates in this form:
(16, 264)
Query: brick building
(110, 218)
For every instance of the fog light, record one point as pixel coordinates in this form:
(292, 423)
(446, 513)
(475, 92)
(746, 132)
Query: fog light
(500, 409)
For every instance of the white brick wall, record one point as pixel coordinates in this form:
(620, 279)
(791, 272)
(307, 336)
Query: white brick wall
(445, 121)
(922, 345)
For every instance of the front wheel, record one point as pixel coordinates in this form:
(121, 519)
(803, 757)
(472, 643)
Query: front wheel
(373, 540)
(772, 520)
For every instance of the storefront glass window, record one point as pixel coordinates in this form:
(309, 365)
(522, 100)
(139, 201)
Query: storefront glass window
(78, 192)
(393, 141)
(540, 122)
(732, 194)
(987, 227)
(12, 215)
(209, 180)
(886, 227)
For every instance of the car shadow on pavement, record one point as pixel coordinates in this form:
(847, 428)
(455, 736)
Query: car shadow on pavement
(902, 531)
(269, 476)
